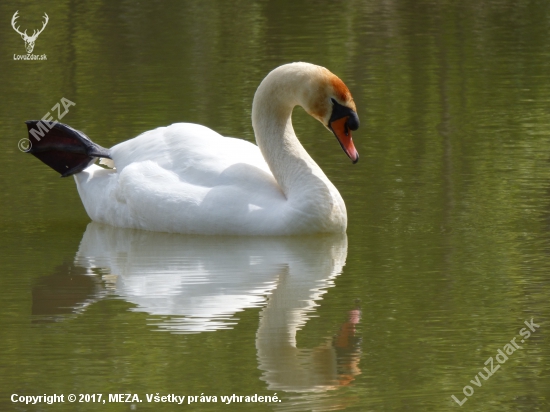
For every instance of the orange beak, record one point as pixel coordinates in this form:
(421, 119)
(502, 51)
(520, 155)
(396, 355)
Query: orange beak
(342, 132)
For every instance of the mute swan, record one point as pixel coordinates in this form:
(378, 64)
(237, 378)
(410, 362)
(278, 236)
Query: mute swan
(186, 178)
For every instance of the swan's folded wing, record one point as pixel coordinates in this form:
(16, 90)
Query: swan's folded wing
(243, 200)
(197, 154)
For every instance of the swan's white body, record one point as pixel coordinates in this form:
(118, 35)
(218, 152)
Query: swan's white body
(186, 178)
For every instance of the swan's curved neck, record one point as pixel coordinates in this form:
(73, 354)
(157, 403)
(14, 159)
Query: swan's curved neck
(293, 168)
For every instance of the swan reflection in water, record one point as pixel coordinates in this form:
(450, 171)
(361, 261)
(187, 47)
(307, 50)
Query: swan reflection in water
(198, 283)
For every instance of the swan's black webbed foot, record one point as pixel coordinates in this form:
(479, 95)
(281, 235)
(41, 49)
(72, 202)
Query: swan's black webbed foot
(64, 149)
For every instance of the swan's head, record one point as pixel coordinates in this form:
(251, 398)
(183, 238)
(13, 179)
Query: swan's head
(330, 101)
(321, 93)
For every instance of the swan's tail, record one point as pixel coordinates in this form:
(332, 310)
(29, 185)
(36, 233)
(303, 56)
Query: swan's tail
(64, 149)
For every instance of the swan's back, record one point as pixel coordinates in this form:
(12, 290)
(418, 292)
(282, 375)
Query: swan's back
(196, 153)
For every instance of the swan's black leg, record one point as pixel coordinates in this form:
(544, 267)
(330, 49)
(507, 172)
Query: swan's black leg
(64, 149)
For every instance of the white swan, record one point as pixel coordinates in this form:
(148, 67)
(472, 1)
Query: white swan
(186, 178)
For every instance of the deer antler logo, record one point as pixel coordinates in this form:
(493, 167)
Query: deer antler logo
(29, 40)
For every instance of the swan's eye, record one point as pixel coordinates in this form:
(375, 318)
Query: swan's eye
(332, 100)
